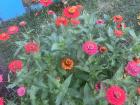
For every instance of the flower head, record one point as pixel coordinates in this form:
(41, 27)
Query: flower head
(61, 21)
(31, 47)
(67, 63)
(133, 68)
(116, 95)
(118, 33)
(15, 65)
(120, 25)
(50, 12)
(90, 48)
(46, 3)
(13, 29)
(1, 78)
(71, 12)
(100, 22)
(2, 101)
(118, 19)
(21, 91)
(4, 36)
(23, 23)
(102, 49)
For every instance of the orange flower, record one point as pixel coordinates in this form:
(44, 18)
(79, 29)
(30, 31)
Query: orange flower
(118, 18)
(61, 21)
(118, 33)
(67, 63)
(71, 12)
(102, 49)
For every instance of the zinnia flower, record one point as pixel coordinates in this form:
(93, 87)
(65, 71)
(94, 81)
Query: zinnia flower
(67, 63)
(21, 91)
(102, 49)
(100, 22)
(1, 78)
(4, 36)
(2, 101)
(31, 47)
(75, 22)
(90, 48)
(98, 86)
(118, 33)
(116, 95)
(23, 23)
(46, 3)
(61, 21)
(118, 19)
(71, 12)
(15, 65)
(50, 12)
(133, 68)
(13, 29)
(121, 26)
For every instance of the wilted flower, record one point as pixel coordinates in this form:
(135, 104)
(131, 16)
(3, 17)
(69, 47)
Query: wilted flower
(121, 25)
(21, 91)
(31, 47)
(116, 95)
(61, 21)
(90, 48)
(67, 63)
(13, 29)
(118, 19)
(15, 65)
(71, 12)
(118, 33)
(46, 3)
(4, 36)
(102, 49)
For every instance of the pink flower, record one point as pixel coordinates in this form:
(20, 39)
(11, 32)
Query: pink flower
(1, 78)
(98, 86)
(118, 33)
(23, 23)
(90, 48)
(13, 29)
(100, 22)
(21, 91)
(50, 12)
(2, 101)
(121, 25)
(116, 95)
(75, 22)
(46, 3)
(132, 68)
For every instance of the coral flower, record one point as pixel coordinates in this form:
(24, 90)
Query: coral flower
(2, 101)
(46, 3)
(133, 68)
(31, 47)
(61, 21)
(118, 19)
(13, 29)
(23, 23)
(1, 78)
(118, 33)
(71, 12)
(90, 48)
(75, 22)
(21, 91)
(121, 26)
(100, 22)
(102, 49)
(67, 63)
(116, 95)
(15, 65)
(4, 36)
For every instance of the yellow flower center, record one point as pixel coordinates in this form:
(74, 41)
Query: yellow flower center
(72, 10)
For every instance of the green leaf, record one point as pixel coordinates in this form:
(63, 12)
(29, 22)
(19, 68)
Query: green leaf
(132, 33)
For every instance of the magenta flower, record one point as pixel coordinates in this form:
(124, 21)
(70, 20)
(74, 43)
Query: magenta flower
(50, 12)
(21, 91)
(100, 22)
(132, 68)
(1, 78)
(90, 48)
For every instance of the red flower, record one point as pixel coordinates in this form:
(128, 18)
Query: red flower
(2, 101)
(75, 22)
(116, 95)
(46, 3)
(13, 29)
(31, 47)
(61, 21)
(118, 33)
(118, 19)
(121, 26)
(71, 12)
(23, 23)
(15, 65)
(4, 36)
